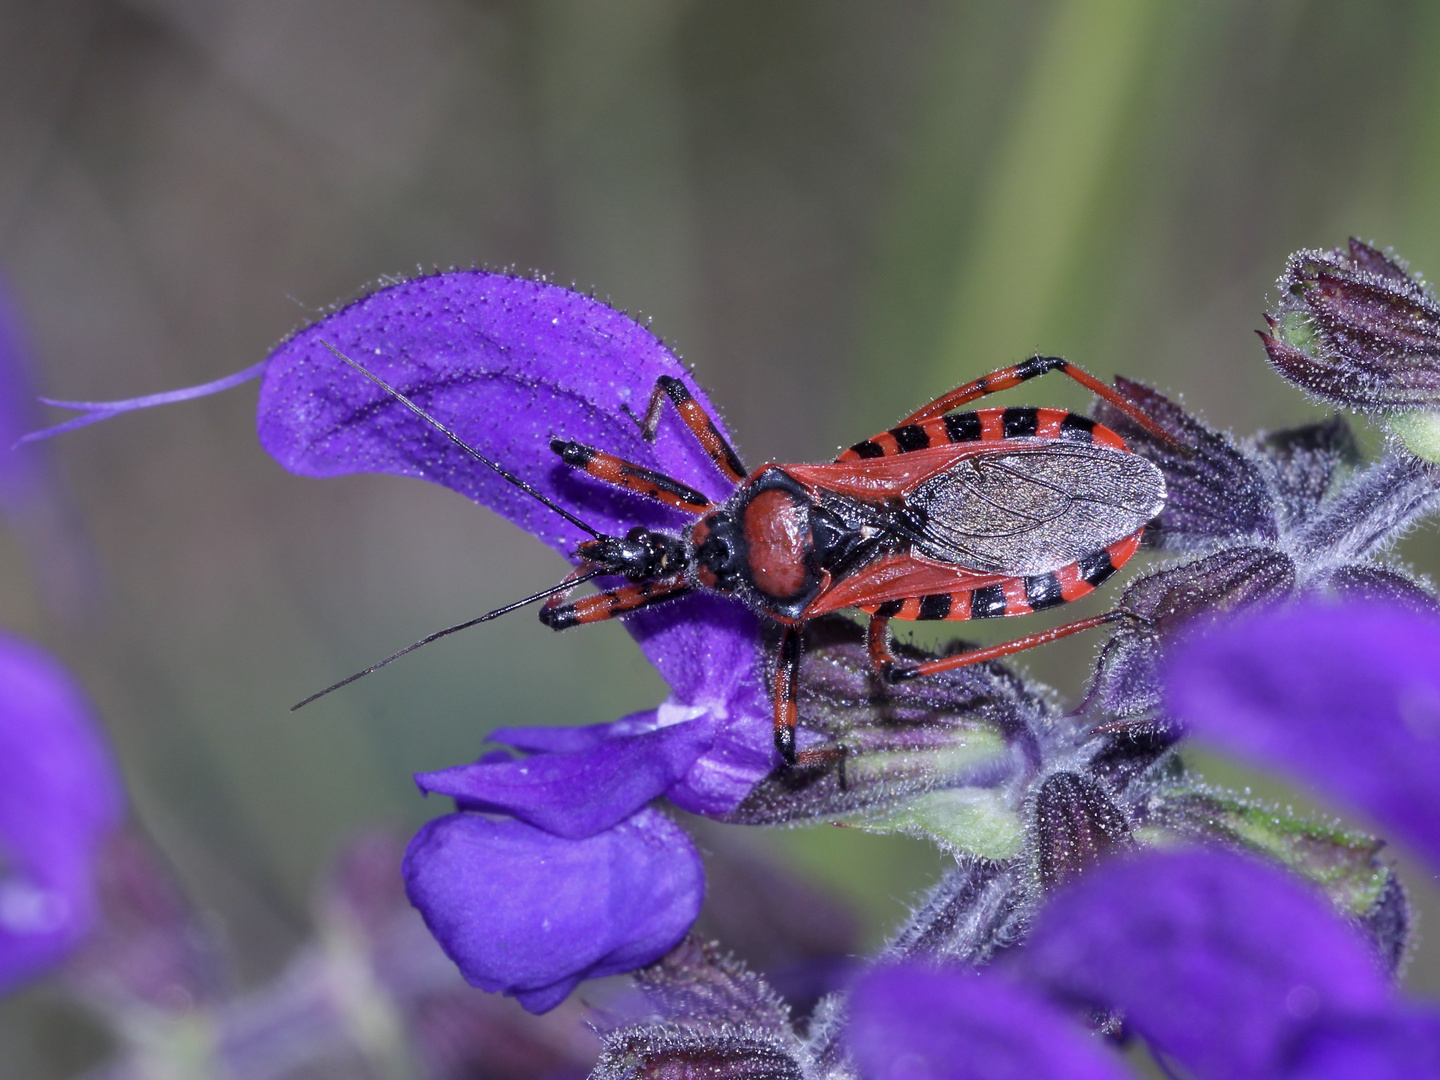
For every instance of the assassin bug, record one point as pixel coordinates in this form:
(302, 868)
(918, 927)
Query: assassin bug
(949, 515)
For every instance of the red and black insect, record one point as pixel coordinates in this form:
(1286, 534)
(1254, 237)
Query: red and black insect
(949, 515)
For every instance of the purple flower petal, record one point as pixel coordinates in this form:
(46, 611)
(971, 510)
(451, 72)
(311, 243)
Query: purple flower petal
(580, 793)
(919, 1023)
(510, 364)
(1222, 962)
(529, 914)
(1402, 1045)
(569, 740)
(740, 755)
(59, 796)
(1345, 697)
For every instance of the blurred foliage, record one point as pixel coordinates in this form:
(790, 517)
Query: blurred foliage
(834, 210)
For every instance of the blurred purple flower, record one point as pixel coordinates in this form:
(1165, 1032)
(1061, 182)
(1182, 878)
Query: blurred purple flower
(509, 364)
(1223, 964)
(1346, 697)
(1231, 967)
(60, 796)
(910, 1022)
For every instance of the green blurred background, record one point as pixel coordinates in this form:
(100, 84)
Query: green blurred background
(833, 210)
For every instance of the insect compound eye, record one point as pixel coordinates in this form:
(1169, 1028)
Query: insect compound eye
(720, 555)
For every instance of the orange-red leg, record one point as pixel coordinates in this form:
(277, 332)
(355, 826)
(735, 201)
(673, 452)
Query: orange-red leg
(787, 685)
(616, 602)
(697, 420)
(631, 477)
(895, 670)
(1015, 374)
(584, 571)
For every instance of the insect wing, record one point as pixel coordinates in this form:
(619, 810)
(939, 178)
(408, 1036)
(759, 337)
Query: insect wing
(878, 479)
(1031, 509)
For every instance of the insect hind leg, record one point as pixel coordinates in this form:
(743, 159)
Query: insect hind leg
(894, 671)
(1007, 377)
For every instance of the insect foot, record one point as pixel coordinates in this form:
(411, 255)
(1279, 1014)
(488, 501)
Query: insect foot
(947, 757)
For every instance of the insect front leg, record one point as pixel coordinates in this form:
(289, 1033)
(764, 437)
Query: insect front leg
(697, 420)
(1015, 374)
(614, 603)
(582, 572)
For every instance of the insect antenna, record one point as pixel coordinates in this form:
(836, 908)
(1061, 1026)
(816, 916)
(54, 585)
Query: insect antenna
(568, 583)
(504, 473)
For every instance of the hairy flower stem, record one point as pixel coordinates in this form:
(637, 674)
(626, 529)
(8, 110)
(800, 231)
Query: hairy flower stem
(976, 910)
(1374, 510)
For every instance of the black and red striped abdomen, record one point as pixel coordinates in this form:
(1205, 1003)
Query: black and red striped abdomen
(1014, 595)
(985, 426)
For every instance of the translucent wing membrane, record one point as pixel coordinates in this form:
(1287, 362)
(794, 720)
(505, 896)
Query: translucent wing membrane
(1032, 511)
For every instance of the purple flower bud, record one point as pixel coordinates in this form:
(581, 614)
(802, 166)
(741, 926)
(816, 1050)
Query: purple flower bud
(1164, 601)
(930, 756)
(1075, 824)
(1357, 329)
(529, 914)
(1214, 492)
(60, 796)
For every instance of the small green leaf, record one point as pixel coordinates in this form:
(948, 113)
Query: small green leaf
(973, 820)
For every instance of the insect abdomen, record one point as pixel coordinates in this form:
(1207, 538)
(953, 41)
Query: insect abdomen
(1017, 595)
(985, 425)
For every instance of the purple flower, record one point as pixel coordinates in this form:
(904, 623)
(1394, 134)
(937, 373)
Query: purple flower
(1228, 966)
(509, 364)
(60, 796)
(531, 914)
(1344, 697)
(910, 1022)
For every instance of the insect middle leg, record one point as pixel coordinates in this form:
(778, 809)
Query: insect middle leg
(632, 477)
(895, 670)
(1015, 374)
(786, 689)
